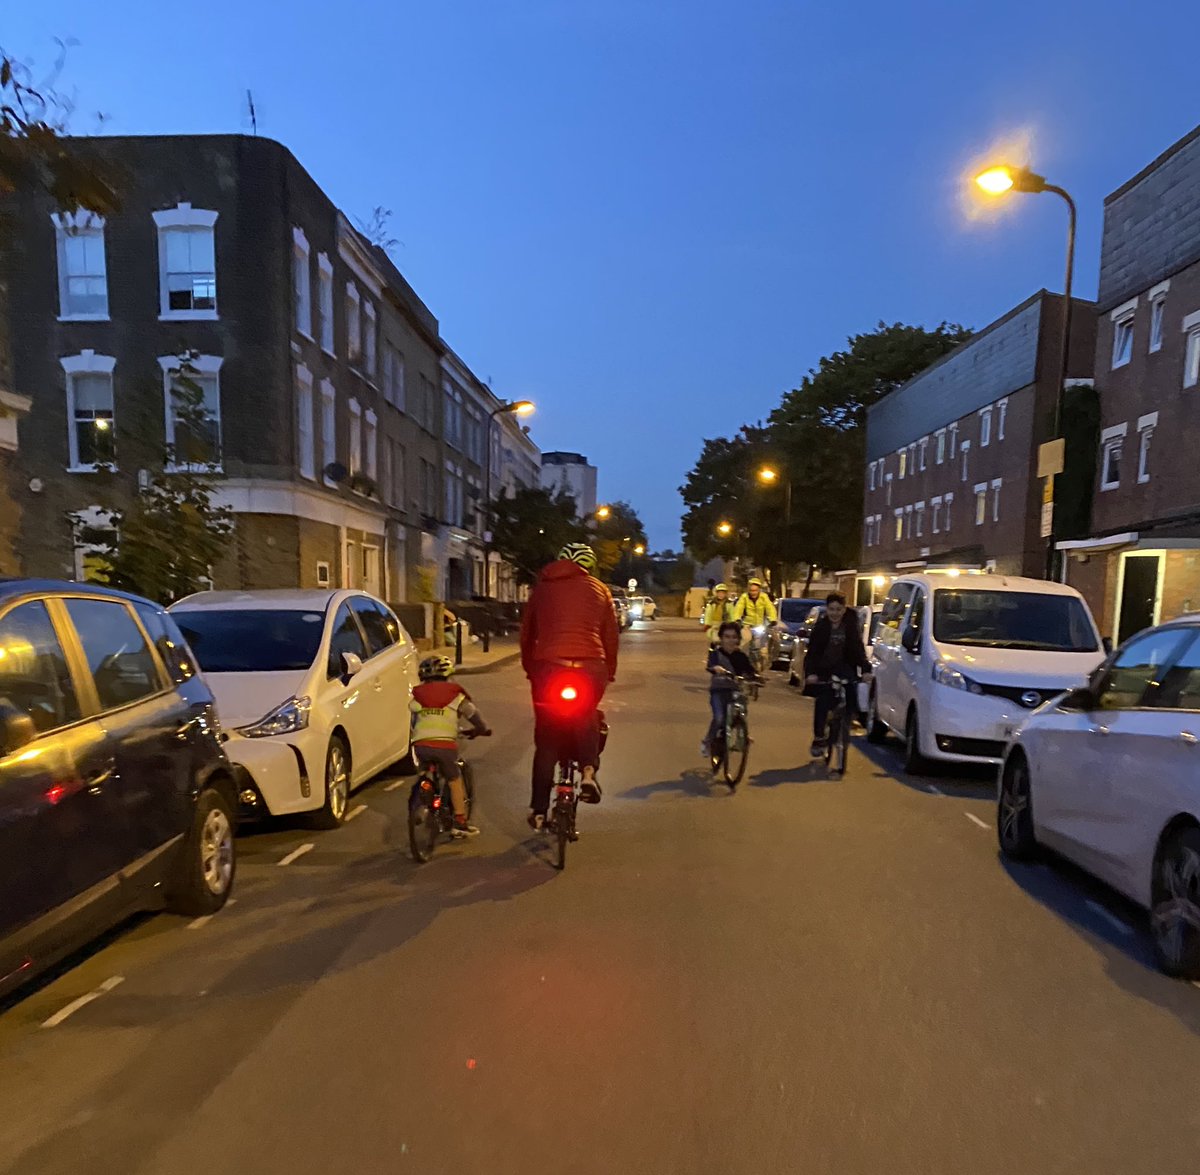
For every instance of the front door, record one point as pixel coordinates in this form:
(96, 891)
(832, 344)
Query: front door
(370, 579)
(1139, 594)
(352, 699)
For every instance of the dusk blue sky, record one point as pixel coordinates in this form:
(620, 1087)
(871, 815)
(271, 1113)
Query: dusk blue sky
(652, 218)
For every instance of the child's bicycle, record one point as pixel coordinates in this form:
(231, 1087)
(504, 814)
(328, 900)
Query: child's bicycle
(730, 750)
(431, 809)
(837, 728)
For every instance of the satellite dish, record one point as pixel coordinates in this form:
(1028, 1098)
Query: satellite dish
(336, 472)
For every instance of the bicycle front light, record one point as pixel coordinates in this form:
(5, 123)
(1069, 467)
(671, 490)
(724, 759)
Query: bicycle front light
(760, 630)
(945, 674)
(287, 718)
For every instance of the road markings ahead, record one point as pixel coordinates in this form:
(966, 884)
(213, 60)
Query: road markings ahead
(1113, 921)
(196, 923)
(937, 791)
(296, 854)
(83, 1001)
(355, 812)
(393, 785)
(975, 820)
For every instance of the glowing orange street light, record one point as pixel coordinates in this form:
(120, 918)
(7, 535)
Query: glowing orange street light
(724, 529)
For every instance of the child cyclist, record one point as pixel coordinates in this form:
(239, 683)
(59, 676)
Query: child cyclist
(437, 706)
(725, 662)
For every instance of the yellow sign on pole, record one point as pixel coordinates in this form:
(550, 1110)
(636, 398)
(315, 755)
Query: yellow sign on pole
(1052, 457)
(1048, 491)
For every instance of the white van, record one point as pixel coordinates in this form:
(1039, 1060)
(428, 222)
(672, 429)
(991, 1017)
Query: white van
(961, 661)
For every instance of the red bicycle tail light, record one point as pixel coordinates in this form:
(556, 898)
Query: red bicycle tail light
(568, 693)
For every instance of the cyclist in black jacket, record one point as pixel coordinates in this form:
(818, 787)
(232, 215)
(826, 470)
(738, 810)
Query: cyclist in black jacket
(835, 649)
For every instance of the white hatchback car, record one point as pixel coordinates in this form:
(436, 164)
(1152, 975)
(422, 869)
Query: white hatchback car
(312, 687)
(1109, 776)
(962, 661)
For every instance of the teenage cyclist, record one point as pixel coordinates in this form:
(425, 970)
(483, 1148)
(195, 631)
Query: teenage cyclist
(568, 622)
(835, 648)
(717, 611)
(437, 706)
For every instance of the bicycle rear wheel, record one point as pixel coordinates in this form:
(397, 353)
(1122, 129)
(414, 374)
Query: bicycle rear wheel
(844, 745)
(737, 750)
(422, 822)
(833, 740)
(562, 829)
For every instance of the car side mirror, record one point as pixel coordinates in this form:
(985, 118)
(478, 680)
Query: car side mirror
(1083, 699)
(352, 664)
(1108, 645)
(16, 728)
(911, 640)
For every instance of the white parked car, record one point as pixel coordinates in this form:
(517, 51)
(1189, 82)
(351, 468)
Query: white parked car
(1109, 776)
(962, 661)
(312, 687)
(642, 608)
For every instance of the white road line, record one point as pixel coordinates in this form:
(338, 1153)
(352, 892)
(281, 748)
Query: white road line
(295, 854)
(82, 1002)
(355, 812)
(196, 923)
(393, 785)
(1109, 917)
(937, 791)
(231, 902)
(975, 820)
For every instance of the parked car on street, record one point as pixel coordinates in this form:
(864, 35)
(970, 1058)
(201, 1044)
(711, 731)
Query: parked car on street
(313, 690)
(642, 608)
(868, 619)
(793, 611)
(961, 661)
(115, 794)
(621, 608)
(1109, 776)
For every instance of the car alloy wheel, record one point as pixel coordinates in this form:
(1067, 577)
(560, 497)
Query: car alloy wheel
(1014, 815)
(1175, 915)
(337, 780)
(216, 852)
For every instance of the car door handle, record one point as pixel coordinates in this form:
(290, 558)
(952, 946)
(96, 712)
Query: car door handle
(1186, 736)
(378, 684)
(1098, 730)
(96, 781)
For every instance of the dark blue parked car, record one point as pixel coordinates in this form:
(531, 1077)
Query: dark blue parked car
(115, 794)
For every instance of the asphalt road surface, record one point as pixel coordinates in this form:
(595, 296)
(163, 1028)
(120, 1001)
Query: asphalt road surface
(807, 976)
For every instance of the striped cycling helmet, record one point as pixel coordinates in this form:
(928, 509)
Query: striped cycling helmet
(579, 553)
(434, 667)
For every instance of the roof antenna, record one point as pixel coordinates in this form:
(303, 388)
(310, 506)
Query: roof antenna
(253, 113)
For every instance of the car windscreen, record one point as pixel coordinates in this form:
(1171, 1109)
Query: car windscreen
(795, 611)
(1012, 620)
(249, 641)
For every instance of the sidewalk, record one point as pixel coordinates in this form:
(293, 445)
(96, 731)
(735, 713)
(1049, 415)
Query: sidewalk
(504, 651)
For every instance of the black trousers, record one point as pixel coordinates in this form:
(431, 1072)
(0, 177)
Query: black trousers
(556, 738)
(824, 701)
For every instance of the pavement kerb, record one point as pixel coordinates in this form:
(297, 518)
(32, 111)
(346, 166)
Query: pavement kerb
(498, 663)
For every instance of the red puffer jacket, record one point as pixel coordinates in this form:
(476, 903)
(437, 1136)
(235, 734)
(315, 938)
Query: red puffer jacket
(569, 617)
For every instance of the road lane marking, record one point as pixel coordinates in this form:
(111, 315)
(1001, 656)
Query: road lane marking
(196, 923)
(975, 820)
(393, 785)
(82, 1002)
(937, 791)
(296, 854)
(1113, 921)
(355, 812)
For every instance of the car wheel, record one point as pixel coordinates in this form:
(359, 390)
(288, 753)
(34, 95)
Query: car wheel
(332, 813)
(877, 732)
(914, 762)
(203, 875)
(1014, 811)
(793, 680)
(1175, 912)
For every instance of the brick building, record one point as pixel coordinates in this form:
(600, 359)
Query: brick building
(1141, 562)
(952, 455)
(335, 411)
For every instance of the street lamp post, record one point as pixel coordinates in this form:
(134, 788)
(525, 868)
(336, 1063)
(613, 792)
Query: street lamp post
(996, 181)
(517, 408)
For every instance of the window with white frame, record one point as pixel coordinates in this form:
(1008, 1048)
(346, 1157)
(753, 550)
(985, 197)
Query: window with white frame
(474, 434)
(980, 503)
(868, 523)
(1158, 317)
(949, 503)
(306, 457)
(454, 494)
(192, 400)
(919, 518)
(1122, 319)
(1146, 426)
(899, 516)
(966, 459)
(91, 425)
(903, 457)
(1112, 443)
(372, 442)
(888, 483)
(871, 477)
(940, 446)
(325, 303)
(952, 448)
(453, 409)
(935, 510)
(1001, 414)
(922, 452)
(301, 282)
(82, 272)
(353, 323)
(912, 459)
(187, 262)
(997, 483)
(908, 522)
(985, 428)
(1191, 354)
(328, 428)
(356, 437)
(369, 335)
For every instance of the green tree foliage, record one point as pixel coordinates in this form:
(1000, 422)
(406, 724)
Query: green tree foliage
(615, 540)
(816, 439)
(165, 542)
(530, 526)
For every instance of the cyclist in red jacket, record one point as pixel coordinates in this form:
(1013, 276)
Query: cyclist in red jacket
(568, 631)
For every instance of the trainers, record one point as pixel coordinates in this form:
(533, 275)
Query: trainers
(818, 748)
(462, 829)
(589, 790)
(537, 821)
(704, 749)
